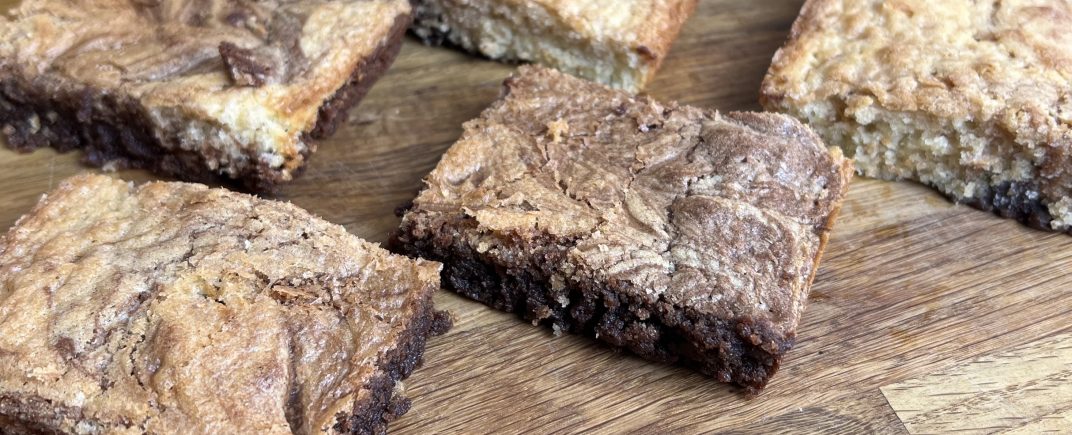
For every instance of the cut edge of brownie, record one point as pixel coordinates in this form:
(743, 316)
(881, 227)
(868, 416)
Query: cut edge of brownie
(383, 405)
(432, 29)
(367, 72)
(118, 133)
(1018, 200)
(605, 313)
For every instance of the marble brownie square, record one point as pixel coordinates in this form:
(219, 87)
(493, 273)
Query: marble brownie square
(681, 234)
(621, 43)
(198, 90)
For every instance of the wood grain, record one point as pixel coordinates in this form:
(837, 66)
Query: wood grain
(1025, 390)
(911, 285)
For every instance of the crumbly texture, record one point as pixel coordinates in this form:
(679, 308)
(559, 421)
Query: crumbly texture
(972, 97)
(620, 43)
(202, 91)
(172, 306)
(680, 234)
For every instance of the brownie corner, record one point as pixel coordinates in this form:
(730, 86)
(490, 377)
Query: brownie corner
(334, 111)
(384, 405)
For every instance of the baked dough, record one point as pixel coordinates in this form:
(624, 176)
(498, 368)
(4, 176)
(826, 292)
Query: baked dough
(973, 97)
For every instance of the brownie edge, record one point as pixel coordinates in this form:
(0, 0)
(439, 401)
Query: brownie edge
(116, 132)
(748, 351)
(383, 406)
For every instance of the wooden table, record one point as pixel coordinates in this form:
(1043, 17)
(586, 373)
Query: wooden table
(925, 316)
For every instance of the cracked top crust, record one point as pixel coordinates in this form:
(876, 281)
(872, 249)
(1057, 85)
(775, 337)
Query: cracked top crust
(1000, 63)
(722, 213)
(171, 305)
(253, 73)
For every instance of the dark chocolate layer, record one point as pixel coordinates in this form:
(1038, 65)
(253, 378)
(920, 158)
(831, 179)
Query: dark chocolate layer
(428, 24)
(333, 112)
(1013, 200)
(372, 415)
(742, 351)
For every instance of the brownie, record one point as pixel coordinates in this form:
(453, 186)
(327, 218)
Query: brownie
(621, 45)
(174, 307)
(971, 98)
(220, 91)
(680, 234)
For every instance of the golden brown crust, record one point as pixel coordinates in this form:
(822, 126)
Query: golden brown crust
(904, 77)
(145, 309)
(983, 60)
(621, 45)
